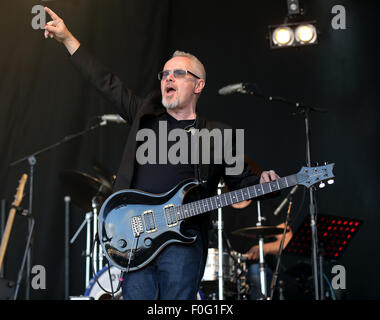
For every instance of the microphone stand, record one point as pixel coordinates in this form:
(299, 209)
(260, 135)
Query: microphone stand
(305, 111)
(32, 162)
(275, 275)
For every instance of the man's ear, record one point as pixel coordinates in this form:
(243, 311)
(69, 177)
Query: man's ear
(199, 86)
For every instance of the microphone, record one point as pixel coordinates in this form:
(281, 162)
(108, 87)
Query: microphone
(232, 88)
(282, 204)
(112, 118)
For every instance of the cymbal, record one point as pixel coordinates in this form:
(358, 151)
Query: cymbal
(82, 188)
(258, 231)
(103, 174)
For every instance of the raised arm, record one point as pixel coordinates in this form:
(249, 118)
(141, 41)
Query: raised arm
(107, 83)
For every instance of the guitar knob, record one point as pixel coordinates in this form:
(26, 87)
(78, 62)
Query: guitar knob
(122, 243)
(148, 242)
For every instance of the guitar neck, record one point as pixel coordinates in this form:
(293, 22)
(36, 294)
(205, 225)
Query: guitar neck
(226, 199)
(7, 232)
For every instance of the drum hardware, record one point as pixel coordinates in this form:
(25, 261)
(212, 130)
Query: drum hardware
(226, 264)
(67, 200)
(220, 246)
(262, 234)
(88, 193)
(261, 254)
(234, 275)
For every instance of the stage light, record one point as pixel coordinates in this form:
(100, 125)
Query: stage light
(292, 35)
(306, 33)
(283, 36)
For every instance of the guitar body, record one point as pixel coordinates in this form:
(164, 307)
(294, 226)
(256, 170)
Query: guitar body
(141, 223)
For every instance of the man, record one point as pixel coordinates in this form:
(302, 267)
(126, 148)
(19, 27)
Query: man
(177, 271)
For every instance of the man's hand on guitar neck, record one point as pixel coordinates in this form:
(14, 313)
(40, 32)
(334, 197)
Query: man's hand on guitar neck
(266, 176)
(57, 29)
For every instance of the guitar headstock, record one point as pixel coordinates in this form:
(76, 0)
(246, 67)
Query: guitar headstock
(20, 190)
(309, 176)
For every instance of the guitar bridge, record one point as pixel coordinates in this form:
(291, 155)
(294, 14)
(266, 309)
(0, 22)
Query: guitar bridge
(137, 226)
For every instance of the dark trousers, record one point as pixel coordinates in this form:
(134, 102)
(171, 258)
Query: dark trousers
(175, 274)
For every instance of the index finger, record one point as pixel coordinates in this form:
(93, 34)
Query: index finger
(52, 14)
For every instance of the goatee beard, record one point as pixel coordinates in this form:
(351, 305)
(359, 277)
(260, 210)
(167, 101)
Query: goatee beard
(170, 105)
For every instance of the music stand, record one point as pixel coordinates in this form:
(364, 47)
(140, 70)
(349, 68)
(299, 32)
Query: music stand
(334, 234)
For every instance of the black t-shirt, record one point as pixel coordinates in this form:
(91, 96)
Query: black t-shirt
(156, 177)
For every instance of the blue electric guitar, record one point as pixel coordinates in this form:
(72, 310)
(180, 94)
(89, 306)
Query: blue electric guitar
(134, 226)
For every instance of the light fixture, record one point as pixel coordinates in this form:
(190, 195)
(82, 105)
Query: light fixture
(283, 36)
(306, 33)
(292, 34)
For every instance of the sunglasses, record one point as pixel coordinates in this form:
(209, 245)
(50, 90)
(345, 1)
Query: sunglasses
(177, 73)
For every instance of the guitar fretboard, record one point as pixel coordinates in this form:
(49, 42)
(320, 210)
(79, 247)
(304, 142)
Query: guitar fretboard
(225, 199)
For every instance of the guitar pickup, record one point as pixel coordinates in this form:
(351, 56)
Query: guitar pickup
(150, 221)
(170, 215)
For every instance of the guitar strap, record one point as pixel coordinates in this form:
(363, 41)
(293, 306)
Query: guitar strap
(201, 170)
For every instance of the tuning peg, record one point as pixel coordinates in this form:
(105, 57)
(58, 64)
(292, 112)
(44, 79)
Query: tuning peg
(322, 185)
(331, 181)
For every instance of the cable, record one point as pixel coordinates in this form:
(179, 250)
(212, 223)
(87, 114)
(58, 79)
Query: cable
(123, 275)
(299, 209)
(95, 276)
(331, 289)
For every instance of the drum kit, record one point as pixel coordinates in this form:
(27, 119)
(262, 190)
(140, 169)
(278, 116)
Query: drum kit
(225, 276)
(235, 281)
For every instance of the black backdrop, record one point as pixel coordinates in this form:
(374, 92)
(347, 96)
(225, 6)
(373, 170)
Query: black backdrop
(43, 99)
